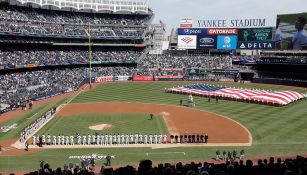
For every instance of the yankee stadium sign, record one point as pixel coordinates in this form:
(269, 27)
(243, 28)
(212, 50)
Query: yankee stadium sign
(233, 23)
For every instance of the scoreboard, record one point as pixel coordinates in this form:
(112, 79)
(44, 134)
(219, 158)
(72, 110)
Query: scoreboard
(225, 38)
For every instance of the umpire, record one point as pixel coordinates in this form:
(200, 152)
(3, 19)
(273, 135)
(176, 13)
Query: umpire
(108, 160)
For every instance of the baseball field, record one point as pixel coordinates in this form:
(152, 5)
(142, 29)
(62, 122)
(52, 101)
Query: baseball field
(125, 108)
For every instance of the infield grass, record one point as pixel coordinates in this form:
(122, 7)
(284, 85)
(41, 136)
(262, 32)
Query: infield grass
(122, 124)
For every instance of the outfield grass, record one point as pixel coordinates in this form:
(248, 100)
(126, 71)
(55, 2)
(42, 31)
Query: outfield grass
(276, 131)
(123, 124)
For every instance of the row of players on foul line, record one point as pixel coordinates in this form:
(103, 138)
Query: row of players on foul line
(117, 139)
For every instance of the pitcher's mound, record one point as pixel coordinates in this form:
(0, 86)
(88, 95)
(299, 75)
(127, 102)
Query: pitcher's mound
(101, 127)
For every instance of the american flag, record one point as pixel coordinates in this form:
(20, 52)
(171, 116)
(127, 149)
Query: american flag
(163, 25)
(279, 98)
(187, 39)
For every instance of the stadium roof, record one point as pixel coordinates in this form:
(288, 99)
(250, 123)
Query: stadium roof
(96, 5)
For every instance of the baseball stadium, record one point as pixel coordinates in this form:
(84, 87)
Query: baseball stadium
(97, 87)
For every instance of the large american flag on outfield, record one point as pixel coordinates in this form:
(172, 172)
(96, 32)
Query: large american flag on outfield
(280, 98)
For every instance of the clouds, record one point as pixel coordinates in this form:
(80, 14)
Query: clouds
(170, 11)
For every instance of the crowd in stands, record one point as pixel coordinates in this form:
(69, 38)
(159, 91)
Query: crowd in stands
(184, 61)
(283, 59)
(19, 13)
(13, 57)
(296, 166)
(32, 21)
(19, 87)
(114, 71)
(42, 29)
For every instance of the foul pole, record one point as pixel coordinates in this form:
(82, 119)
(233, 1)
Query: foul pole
(90, 50)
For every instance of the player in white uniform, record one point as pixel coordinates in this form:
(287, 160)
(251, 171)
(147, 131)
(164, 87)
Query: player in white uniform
(155, 139)
(98, 140)
(79, 139)
(164, 138)
(145, 139)
(106, 139)
(123, 139)
(54, 140)
(89, 139)
(136, 139)
(43, 138)
(102, 139)
(150, 139)
(34, 140)
(110, 139)
(118, 139)
(72, 140)
(59, 140)
(84, 140)
(127, 139)
(67, 140)
(160, 138)
(48, 139)
(131, 139)
(63, 140)
(140, 138)
(114, 139)
(93, 139)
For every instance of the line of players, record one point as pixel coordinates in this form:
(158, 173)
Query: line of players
(36, 124)
(118, 139)
(99, 139)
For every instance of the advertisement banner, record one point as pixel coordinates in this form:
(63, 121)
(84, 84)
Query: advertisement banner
(193, 71)
(187, 41)
(255, 34)
(206, 41)
(192, 31)
(169, 77)
(103, 79)
(31, 65)
(172, 69)
(222, 31)
(142, 78)
(165, 69)
(256, 45)
(186, 22)
(291, 32)
(122, 78)
(227, 42)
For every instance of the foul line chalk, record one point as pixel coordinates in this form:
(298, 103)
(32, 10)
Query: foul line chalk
(147, 154)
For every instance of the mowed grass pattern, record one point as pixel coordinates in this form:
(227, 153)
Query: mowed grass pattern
(123, 124)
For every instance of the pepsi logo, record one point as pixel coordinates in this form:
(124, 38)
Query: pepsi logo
(186, 30)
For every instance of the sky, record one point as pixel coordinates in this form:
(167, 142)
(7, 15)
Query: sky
(170, 11)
